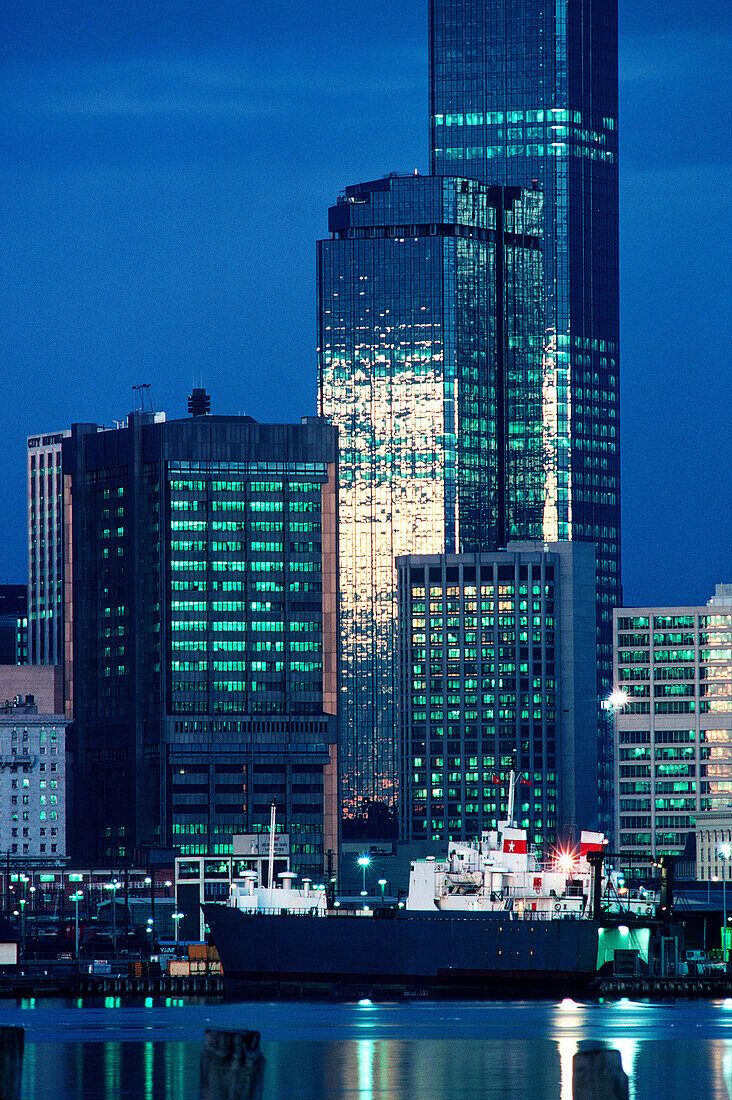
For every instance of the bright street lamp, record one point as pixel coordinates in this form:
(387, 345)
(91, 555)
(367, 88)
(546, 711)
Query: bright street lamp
(364, 862)
(382, 884)
(616, 700)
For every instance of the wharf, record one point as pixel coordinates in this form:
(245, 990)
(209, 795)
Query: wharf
(708, 987)
(58, 980)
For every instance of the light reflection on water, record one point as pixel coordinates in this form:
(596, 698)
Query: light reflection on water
(432, 1051)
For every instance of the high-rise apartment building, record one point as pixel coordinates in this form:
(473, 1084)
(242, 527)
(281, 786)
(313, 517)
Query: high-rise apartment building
(530, 92)
(498, 674)
(201, 634)
(430, 343)
(673, 756)
(45, 549)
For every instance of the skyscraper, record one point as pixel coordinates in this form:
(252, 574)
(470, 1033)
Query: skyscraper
(497, 674)
(530, 92)
(201, 634)
(45, 550)
(430, 342)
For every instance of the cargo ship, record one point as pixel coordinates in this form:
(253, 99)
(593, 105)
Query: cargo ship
(491, 917)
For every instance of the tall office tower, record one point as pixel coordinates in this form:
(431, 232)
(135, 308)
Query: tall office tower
(530, 92)
(430, 340)
(498, 674)
(201, 634)
(45, 550)
(673, 758)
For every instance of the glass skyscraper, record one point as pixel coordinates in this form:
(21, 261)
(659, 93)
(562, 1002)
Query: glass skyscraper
(430, 359)
(524, 92)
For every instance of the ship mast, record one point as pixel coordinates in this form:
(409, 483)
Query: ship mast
(270, 861)
(511, 797)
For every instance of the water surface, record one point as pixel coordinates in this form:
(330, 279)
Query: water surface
(112, 1049)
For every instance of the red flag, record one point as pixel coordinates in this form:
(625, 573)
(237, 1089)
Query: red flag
(495, 779)
(526, 782)
(514, 842)
(591, 842)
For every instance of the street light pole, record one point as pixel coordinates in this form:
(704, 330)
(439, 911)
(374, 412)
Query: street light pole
(76, 898)
(150, 881)
(114, 886)
(177, 919)
(724, 850)
(364, 862)
(22, 925)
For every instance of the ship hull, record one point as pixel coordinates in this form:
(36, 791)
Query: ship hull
(420, 952)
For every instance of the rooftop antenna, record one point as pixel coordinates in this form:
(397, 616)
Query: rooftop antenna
(144, 396)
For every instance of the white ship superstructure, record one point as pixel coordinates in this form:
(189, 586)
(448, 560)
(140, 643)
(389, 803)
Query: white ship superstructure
(502, 874)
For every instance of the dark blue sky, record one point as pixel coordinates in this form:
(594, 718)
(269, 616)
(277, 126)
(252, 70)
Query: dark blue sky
(167, 167)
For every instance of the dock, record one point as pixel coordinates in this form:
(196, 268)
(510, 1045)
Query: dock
(708, 987)
(69, 980)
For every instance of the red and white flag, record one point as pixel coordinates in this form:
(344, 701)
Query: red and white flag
(591, 842)
(514, 842)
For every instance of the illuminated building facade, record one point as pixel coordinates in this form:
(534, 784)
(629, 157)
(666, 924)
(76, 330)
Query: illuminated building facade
(201, 634)
(45, 549)
(530, 92)
(498, 674)
(430, 339)
(673, 758)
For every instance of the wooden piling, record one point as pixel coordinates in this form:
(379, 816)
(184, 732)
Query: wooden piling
(12, 1041)
(599, 1075)
(232, 1066)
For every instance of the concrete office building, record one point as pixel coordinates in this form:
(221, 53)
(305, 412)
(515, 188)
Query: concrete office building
(32, 783)
(713, 836)
(201, 634)
(673, 756)
(498, 673)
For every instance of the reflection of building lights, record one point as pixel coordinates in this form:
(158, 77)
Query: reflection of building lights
(628, 1049)
(365, 1057)
(567, 1050)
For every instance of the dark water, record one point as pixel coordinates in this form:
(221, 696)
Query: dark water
(107, 1050)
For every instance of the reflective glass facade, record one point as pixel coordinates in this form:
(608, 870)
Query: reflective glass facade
(430, 342)
(673, 756)
(524, 90)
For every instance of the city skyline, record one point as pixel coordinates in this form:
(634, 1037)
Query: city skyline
(93, 106)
